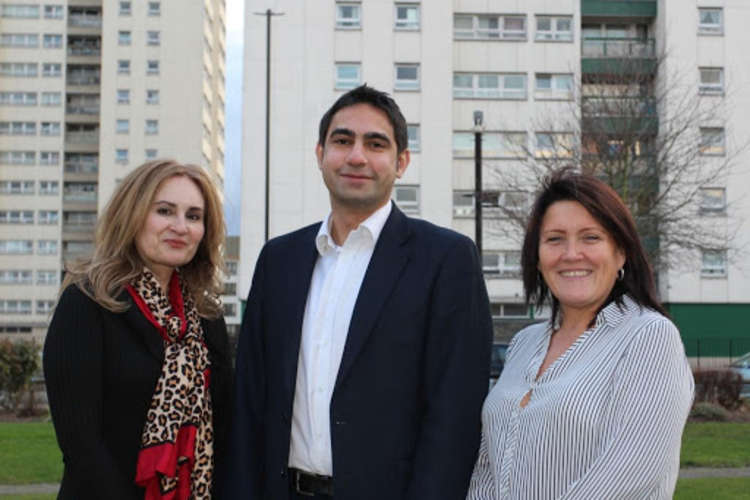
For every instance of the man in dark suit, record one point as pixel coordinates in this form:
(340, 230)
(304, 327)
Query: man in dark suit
(364, 354)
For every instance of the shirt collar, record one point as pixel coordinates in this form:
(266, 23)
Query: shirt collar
(372, 226)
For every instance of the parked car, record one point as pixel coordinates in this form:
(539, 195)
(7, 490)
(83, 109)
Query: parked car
(741, 365)
(497, 361)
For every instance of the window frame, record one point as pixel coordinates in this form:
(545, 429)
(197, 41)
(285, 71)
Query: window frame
(407, 206)
(346, 23)
(708, 208)
(711, 88)
(414, 143)
(406, 25)
(554, 151)
(554, 34)
(714, 270)
(478, 33)
(711, 29)
(409, 85)
(710, 148)
(554, 93)
(347, 84)
(501, 92)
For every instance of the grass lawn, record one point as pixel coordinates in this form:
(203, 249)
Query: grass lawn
(29, 454)
(715, 488)
(716, 444)
(53, 496)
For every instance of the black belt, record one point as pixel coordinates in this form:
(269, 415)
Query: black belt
(308, 484)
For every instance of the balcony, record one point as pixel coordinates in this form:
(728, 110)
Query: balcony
(83, 137)
(627, 115)
(84, 78)
(619, 9)
(84, 50)
(618, 56)
(85, 20)
(81, 167)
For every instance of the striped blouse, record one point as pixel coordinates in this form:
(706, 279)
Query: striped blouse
(604, 420)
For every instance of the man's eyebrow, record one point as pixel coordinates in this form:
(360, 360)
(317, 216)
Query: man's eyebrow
(378, 135)
(342, 131)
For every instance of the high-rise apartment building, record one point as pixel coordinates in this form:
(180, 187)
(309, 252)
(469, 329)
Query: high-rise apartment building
(89, 89)
(527, 65)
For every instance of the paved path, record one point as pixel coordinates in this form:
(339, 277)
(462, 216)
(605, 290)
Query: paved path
(689, 473)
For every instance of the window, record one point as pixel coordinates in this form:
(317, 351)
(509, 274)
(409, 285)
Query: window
(509, 310)
(711, 21)
(463, 203)
(51, 69)
(51, 99)
(47, 217)
(152, 67)
(18, 69)
(17, 128)
(714, 263)
(46, 247)
(229, 289)
(49, 187)
(412, 132)
(20, 40)
(17, 157)
(553, 86)
(152, 127)
(50, 128)
(407, 198)
(502, 264)
(121, 156)
(154, 8)
(554, 145)
(489, 27)
(123, 96)
(15, 306)
(123, 38)
(407, 16)
(151, 154)
(230, 309)
(347, 75)
(712, 81)
(712, 141)
(53, 11)
(49, 158)
(16, 187)
(19, 11)
(16, 216)
(16, 247)
(152, 96)
(52, 41)
(494, 144)
(489, 86)
(123, 66)
(15, 277)
(44, 306)
(122, 126)
(554, 28)
(713, 200)
(348, 15)
(407, 77)
(18, 98)
(125, 8)
(503, 203)
(153, 38)
(46, 277)
(231, 268)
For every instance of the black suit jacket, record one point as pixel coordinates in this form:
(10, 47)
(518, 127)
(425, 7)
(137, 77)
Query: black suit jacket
(100, 370)
(405, 410)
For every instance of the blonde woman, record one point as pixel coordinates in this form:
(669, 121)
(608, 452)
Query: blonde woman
(136, 358)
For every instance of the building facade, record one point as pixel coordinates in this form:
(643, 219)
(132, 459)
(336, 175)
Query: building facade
(561, 80)
(90, 89)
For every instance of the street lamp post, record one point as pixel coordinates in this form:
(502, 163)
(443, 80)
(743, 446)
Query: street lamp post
(478, 127)
(268, 13)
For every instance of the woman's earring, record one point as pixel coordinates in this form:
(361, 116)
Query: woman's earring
(621, 274)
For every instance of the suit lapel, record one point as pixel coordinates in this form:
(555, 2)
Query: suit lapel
(388, 260)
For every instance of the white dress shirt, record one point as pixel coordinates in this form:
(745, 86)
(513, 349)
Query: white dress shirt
(334, 288)
(604, 420)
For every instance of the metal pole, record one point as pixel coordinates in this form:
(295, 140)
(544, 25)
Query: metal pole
(478, 118)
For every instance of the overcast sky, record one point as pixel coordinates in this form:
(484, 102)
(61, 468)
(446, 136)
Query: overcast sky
(233, 126)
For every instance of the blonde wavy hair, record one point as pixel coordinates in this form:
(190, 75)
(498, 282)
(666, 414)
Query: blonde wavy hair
(115, 261)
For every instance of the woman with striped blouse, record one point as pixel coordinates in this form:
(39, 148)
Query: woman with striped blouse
(591, 404)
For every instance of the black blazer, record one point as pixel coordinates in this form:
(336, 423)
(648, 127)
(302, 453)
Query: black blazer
(405, 410)
(100, 369)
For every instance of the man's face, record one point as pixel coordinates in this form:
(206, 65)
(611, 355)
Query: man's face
(359, 161)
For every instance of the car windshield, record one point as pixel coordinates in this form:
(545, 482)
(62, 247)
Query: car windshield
(742, 362)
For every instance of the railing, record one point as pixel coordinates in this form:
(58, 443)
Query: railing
(83, 50)
(79, 196)
(82, 109)
(84, 21)
(81, 167)
(84, 78)
(617, 47)
(82, 137)
(636, 106)
(78, 228)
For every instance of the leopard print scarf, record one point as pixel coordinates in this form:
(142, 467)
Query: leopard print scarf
(176, 456)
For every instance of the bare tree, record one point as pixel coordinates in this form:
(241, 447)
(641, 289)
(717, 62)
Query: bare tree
(658, 141)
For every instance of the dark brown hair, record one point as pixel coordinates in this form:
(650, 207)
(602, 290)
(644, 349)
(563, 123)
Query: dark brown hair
(606, 206)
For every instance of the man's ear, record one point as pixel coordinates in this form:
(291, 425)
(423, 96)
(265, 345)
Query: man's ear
(402, 161)
(319, 154)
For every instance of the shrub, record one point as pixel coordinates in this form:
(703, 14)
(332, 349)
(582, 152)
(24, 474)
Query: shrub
(721, 387)
(708, 412)
(18, 362)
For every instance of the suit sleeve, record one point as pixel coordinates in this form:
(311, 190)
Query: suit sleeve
(221, 393)
(653, 391)
(73, 361)
(456, 377)
(244, 478)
